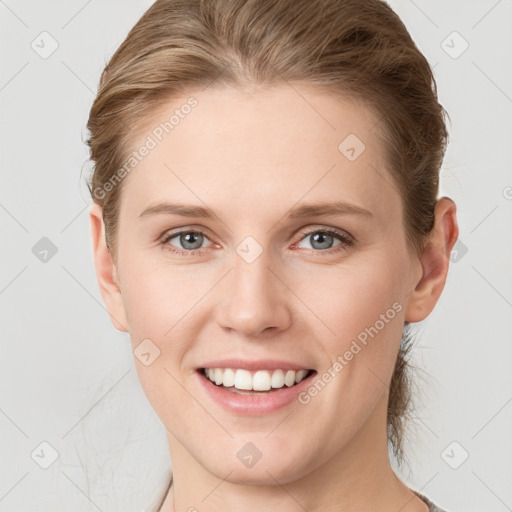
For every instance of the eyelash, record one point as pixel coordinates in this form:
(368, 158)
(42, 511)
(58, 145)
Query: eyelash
(346, 241)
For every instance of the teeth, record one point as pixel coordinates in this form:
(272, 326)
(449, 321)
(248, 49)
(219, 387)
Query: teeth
(300, 375)
(277, 380)
(228, 377)
(218, 376)
(243, 380)
(289, 378)
(261, 380)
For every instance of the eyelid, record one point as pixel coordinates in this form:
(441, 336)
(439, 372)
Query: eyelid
(345, 238)
(178, 231)
(324, 229)
(171, 234)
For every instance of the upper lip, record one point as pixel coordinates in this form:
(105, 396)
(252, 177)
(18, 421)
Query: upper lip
(259, 364)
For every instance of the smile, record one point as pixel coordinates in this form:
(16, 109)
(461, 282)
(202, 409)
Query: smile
(260, 380)
(253, 388)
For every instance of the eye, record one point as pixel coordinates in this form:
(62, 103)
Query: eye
(322, 239)
(190, 241)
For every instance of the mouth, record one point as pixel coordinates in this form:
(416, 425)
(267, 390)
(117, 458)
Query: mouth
(255, 382)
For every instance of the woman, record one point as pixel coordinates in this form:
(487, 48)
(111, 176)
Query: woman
(266, 226)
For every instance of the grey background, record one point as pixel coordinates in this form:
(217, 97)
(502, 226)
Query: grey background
(67, 377)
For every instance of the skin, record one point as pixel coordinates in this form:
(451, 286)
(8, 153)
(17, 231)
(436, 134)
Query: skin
(250, 155)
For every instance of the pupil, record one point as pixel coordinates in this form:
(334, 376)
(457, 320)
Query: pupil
(189, 239)
(320, 238)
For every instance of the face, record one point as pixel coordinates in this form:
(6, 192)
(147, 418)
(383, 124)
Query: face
(228, 258)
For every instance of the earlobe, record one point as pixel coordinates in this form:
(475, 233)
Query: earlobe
(435, 262)
(106, 272)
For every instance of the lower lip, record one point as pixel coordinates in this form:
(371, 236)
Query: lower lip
(253, 404)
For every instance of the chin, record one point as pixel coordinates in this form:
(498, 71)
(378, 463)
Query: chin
(263, 472)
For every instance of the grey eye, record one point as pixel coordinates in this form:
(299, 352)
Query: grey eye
(190, 240)
(320, 240)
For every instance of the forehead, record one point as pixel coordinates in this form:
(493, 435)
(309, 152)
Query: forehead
(247, 145)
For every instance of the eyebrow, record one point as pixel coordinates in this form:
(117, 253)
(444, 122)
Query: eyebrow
(304, 210)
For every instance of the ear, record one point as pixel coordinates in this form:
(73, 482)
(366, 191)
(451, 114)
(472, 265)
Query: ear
(106, 272)
(435, 261)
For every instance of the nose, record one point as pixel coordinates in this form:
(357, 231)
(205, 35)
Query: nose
(254, 299)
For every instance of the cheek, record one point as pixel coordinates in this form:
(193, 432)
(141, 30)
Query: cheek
(352, 299)
(159, 304)
(159, 297)
(362, 306)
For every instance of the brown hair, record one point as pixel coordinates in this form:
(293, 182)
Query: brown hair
(356, 48)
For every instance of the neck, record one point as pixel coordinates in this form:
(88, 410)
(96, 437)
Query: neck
(358, 478)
